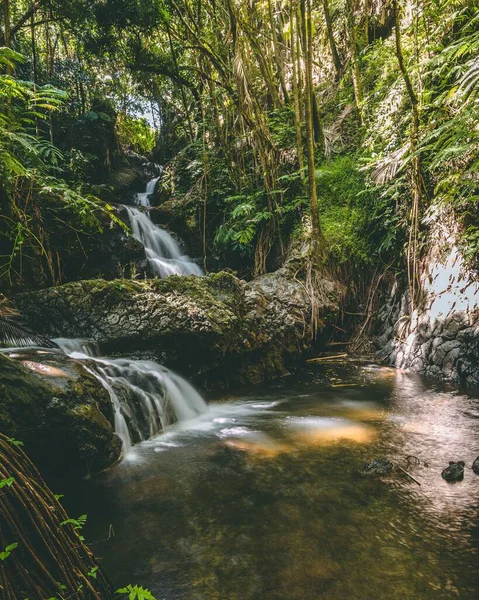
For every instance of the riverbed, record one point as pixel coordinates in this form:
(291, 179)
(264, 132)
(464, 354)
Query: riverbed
(263, 497)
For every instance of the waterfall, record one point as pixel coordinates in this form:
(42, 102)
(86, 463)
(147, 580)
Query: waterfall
(162, 250)
(146, 397)
(143, 198)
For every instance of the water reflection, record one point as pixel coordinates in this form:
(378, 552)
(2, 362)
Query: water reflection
(263, 497)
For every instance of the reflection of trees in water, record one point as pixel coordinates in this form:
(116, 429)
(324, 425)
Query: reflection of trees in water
(304, 526)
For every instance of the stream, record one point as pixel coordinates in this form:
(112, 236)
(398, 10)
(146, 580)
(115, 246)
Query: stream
(261, 497)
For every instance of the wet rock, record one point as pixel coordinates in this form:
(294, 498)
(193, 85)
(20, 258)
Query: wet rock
(218, 328)
(378, 466)
(59, 411)
(475, 466)
(454, 472)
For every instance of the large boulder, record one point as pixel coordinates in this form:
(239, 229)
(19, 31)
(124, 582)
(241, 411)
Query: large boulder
(217, 328)
(58, 410)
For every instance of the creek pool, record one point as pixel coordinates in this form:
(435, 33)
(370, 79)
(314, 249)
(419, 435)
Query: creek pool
(262, 497)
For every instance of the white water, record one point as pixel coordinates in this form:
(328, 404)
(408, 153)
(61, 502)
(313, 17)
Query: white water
(143, 198)
(146, 396)
(162, 250)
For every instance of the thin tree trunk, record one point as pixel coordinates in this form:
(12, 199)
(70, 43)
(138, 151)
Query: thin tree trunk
(355, 72)
(367, 8)
(7, 29)
(277, 53)
(305, 7)
(35, 62)
(297, 107)
(7, 23)
(182, 89)
(416, 174)
(332, 44)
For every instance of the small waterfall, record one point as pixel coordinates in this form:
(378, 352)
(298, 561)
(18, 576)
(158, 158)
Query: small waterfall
(143, 198)
(146, 396)
(162, 251)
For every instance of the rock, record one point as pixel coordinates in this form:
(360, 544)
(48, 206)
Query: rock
(452, 326)
(378, 466)
(130, 176)
(475, 466)
(454, 472)
(111, 255)
(59, 411)
(216, 328)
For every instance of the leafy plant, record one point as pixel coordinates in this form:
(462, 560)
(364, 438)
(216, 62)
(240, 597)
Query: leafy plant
(77, 525)
(136, 592)
(8, 550)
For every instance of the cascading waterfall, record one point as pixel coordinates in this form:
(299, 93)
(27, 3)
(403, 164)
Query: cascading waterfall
(143, 198)
(146, 396)
(163, 252)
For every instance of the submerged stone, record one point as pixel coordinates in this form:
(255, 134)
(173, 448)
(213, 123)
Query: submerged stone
(454, 472)
(378, 466)
(475, 466)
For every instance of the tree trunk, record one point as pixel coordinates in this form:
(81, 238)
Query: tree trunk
(296, 85)
(416, 174)
(332, 44)
(355, 73)
(277, 53)
(367, 8)
(7, 23)
(305, 6)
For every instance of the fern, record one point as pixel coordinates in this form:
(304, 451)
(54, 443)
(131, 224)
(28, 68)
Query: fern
(136, 592)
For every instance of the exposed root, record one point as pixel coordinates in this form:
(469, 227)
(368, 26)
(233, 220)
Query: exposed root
(50, 559)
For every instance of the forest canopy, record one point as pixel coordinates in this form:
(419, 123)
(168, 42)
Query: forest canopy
(357, 119)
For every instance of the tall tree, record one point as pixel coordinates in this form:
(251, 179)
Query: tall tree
(332, 43)
(416, 175)
(307, 38)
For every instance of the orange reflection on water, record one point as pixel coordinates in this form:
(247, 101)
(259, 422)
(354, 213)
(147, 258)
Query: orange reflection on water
(260, 449)
(361, 434)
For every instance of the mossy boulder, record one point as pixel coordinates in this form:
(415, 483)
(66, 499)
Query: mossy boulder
(58, 410)
(217, 329)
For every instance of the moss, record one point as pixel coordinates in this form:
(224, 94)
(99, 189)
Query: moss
(61, 420)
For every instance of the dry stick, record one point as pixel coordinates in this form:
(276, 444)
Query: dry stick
(408, 474)
(325, 358)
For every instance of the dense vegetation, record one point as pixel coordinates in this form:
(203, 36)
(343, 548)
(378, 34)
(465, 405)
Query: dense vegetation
(356, 119)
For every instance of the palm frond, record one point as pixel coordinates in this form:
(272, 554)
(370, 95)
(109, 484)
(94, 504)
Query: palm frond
(17, 335)
(388, 167)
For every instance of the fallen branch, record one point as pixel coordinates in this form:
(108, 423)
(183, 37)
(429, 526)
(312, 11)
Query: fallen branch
(326, 358)
(408, 474)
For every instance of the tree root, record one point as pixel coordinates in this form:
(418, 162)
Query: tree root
(50, 559)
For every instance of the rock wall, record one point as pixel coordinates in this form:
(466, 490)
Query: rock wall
(440, 337)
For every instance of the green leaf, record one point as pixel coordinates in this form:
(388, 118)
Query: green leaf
(7, 482)
(15, 442)
(8, 550)
(93, 572)
(136, 592)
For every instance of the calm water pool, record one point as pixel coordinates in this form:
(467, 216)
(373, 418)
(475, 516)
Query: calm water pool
(262, 498)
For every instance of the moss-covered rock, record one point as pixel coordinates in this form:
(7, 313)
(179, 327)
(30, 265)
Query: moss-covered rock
(215, 328)
(58, 410)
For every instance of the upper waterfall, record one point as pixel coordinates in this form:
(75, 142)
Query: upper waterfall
(162, 250)
(143, 198)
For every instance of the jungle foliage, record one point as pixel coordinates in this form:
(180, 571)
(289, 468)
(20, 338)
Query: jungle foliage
(355, 119)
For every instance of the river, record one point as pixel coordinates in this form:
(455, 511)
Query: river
(262, 497)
